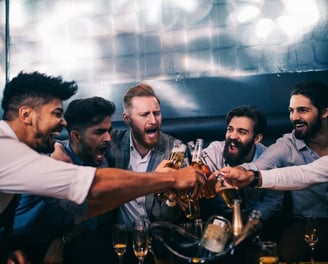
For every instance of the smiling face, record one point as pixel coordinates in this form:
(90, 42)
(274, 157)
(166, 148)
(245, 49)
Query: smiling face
(45, 122)
(91, 144)
(145, 119)
(304, 116)
(240, 141)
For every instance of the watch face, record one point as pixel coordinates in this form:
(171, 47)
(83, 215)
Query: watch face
(66, 239)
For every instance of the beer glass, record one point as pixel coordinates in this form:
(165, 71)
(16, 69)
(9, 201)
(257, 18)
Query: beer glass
(176, 156)
(267, 252)
(120, 240)
(140, 240)
(193, 210)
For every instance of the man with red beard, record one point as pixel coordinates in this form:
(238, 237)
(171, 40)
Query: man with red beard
(245, 130)
(308, 112)
(141, 148)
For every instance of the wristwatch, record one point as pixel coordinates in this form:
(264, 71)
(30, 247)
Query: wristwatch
(66, 239)
(256, 179)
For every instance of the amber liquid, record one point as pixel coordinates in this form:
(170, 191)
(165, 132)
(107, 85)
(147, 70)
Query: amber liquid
(120, 249)
(193, 210)
(268, 260)
(229, 194)
(209, 187)
(177, 158)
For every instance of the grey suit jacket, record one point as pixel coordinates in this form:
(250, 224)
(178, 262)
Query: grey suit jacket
(118, 155)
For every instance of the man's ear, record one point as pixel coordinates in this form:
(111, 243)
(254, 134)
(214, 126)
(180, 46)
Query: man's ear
(25, 114)
(258, 138)
(126, 118)
(324, 113)
(75, 135)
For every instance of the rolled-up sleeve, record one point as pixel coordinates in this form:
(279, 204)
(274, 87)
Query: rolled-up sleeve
(23, 170)
(296, 177)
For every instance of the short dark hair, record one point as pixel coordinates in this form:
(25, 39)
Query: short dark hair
(139, 90)
(260, 121)
(316, 91)
(34, 89)
(81, 113)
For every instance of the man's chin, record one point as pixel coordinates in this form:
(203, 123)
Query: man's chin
(46, 149)
(299, 135)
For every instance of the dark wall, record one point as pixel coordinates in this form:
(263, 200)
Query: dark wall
(213, 97)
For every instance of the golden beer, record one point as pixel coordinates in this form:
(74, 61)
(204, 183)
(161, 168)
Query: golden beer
(209, 187)
(268, 260)
(177, 158)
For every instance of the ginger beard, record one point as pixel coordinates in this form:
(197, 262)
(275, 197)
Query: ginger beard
(147, 137)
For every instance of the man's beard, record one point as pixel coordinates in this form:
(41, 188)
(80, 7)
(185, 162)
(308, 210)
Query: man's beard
(243, 151)
(45, 147)
(312, 128)
(138, 136)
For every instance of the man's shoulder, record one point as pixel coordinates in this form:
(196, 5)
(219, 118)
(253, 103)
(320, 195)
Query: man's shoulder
(289, 140)
(167, 137)
(118, 134)
(216, 145)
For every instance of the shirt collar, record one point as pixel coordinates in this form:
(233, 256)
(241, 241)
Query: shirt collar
(74, 157)
(300, 144)
(7, 129)
(133, 148)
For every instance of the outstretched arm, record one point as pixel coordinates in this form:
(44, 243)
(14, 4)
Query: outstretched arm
(112, 187)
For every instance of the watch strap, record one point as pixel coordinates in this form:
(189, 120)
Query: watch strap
(256, 179)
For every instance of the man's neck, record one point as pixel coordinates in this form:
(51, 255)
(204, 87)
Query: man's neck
(319, 142)
(143, 151)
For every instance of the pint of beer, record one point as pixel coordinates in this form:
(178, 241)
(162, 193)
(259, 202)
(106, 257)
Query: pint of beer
(177, 156)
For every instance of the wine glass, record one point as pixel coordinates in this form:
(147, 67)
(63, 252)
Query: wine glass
(311, 233)
(119, 240)
(140, 240)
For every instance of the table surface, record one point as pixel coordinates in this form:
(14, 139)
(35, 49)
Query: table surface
(317, 262)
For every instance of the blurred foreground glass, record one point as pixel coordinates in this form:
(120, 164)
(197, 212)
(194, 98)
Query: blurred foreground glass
(119, 240)
(311, 235)
(267, 252)
(140, 240)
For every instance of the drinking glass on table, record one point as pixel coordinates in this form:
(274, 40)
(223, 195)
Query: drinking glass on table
(311, 235)
(140, 240)
(119, 240)
(267, 253)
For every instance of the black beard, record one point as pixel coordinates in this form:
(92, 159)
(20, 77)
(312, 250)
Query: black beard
(234, 160)
(313, 129)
